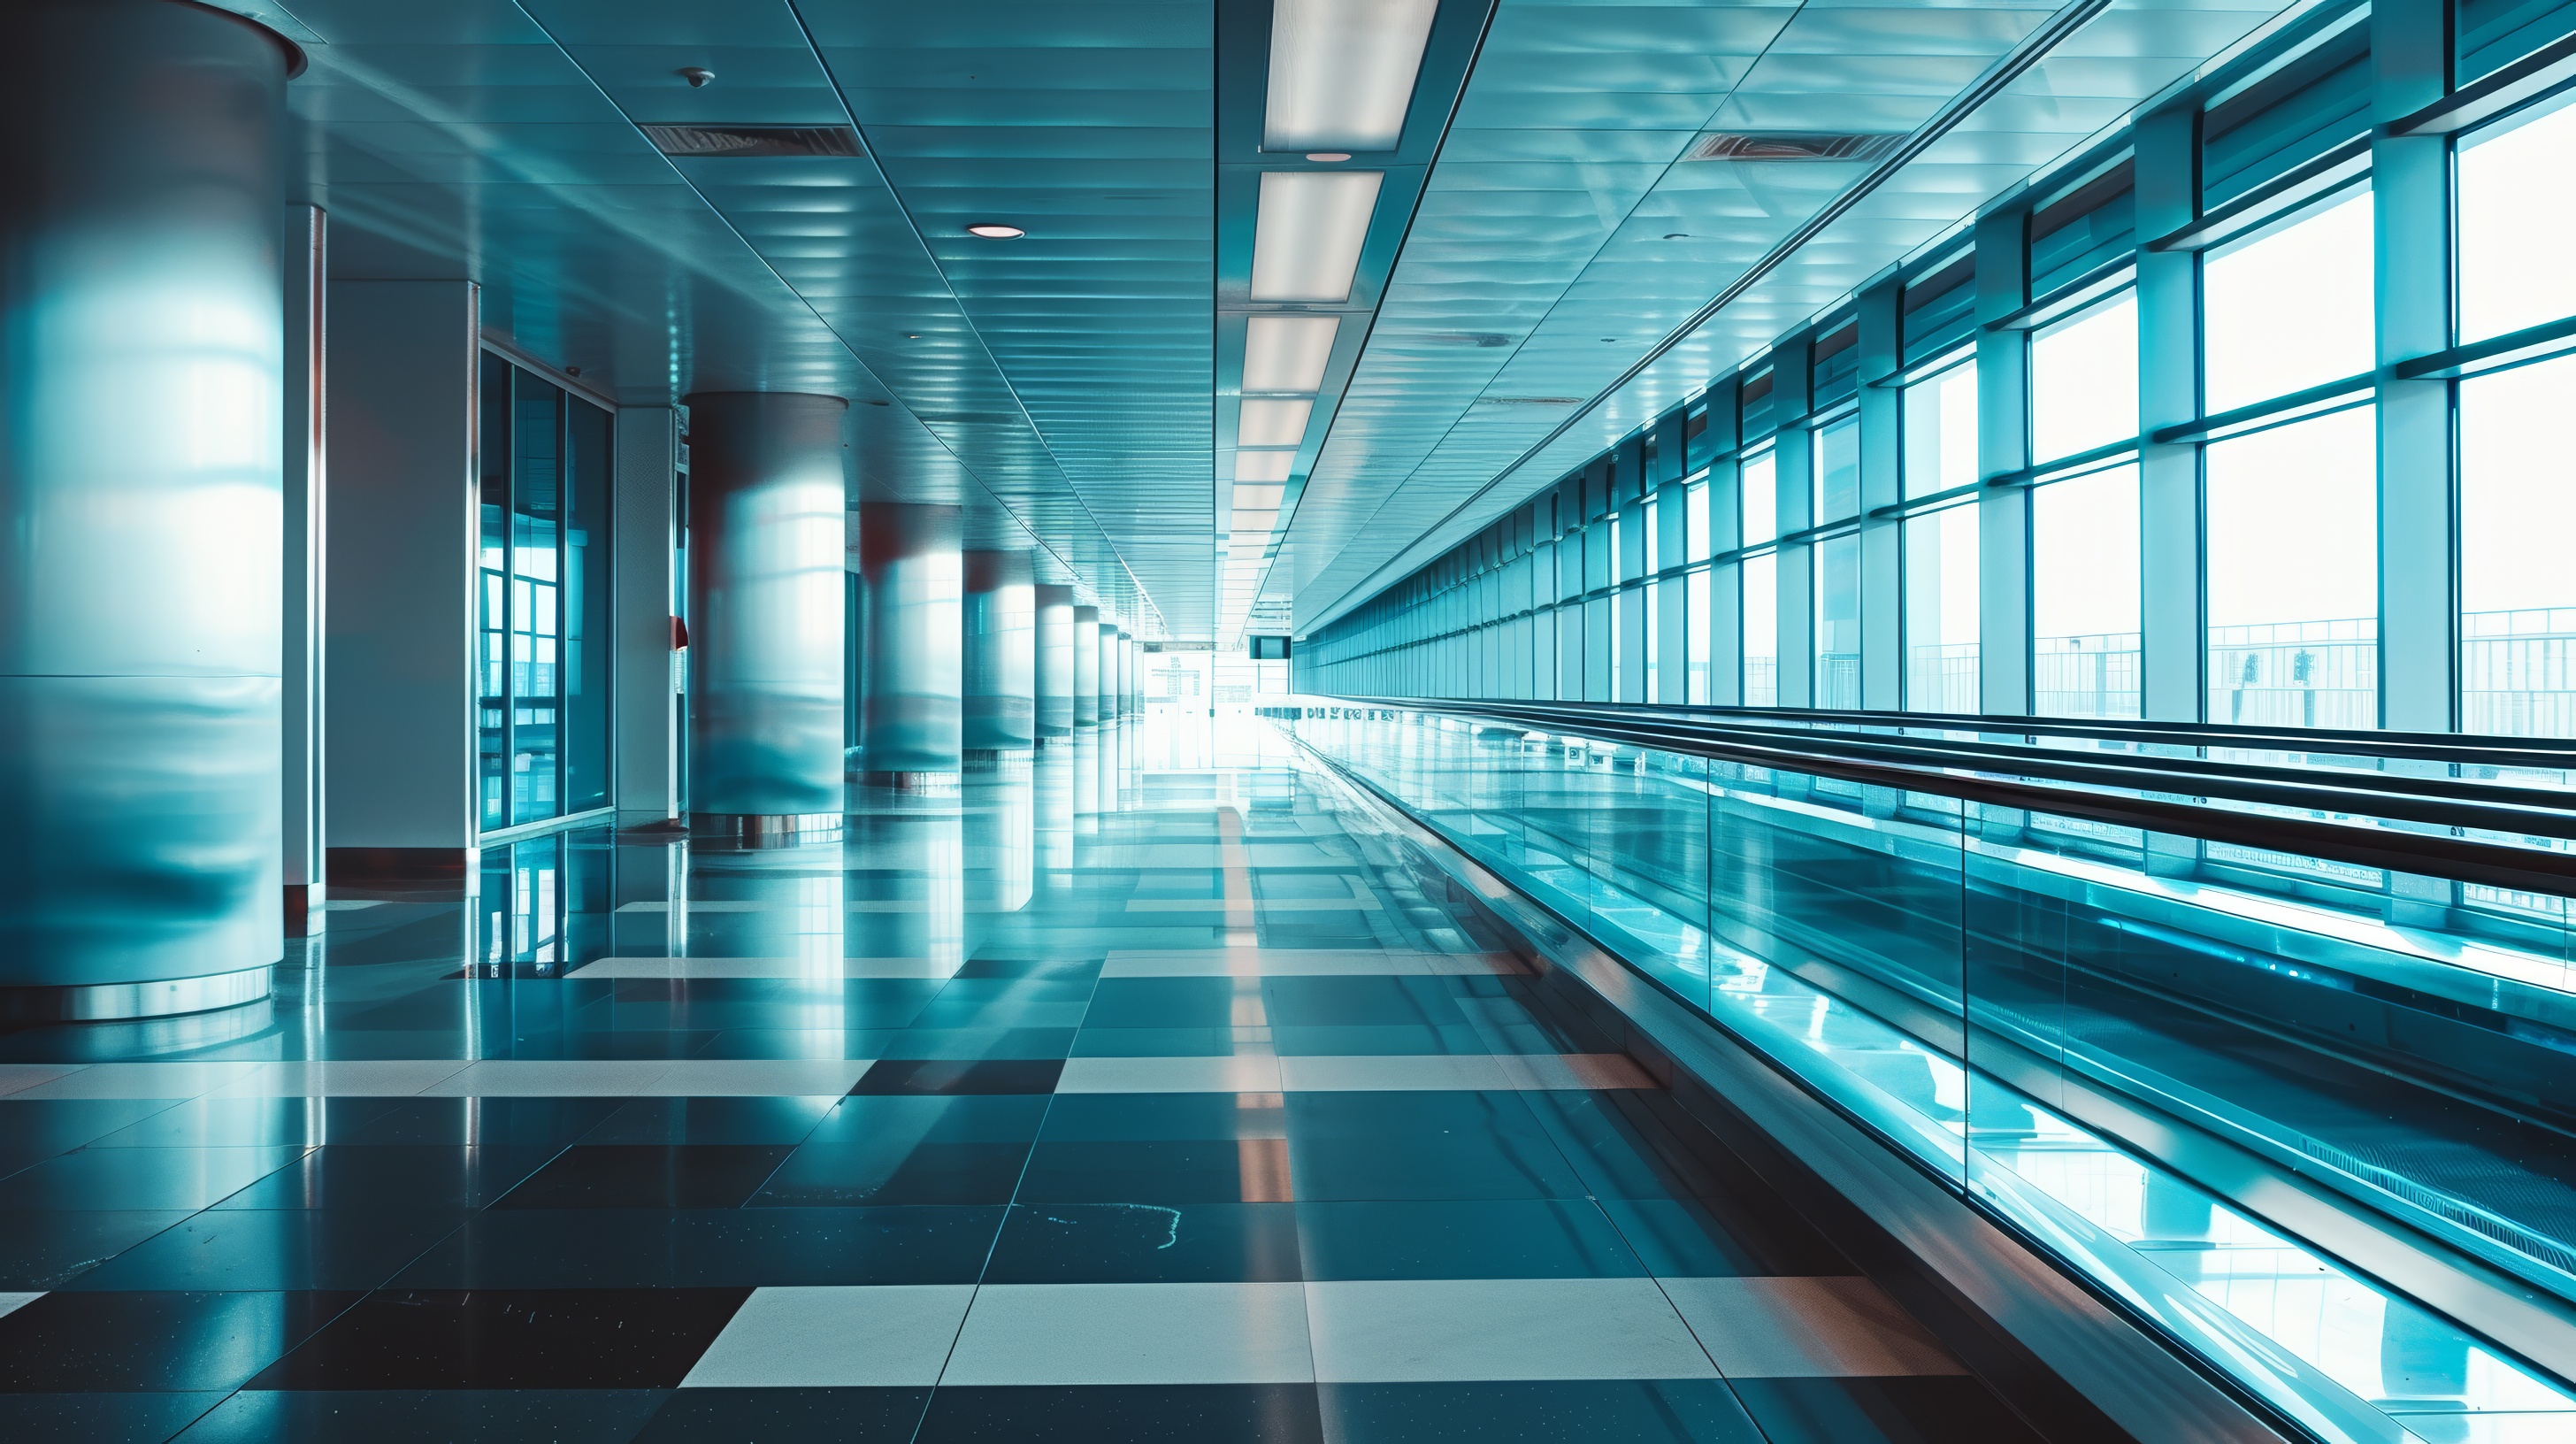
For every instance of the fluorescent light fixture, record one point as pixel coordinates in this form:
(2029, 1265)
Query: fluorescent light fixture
(1342, 72)
(1255, 521)
(1258, 498)
(1306, 238)
(1262, 465)
(1273, 423)
(1287, 353)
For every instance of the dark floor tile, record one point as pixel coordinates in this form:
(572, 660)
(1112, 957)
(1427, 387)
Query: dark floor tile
(247, 1122)
(1384, 999)
(1160, 1042)
(1377, 1040)
(968, 1045)
(1143, 1117)
(1051, 969)
(141, 1178)
(482, 1121)
(712, 1120)
(1163, 1171)
(49, 1249)
(35, 1129)
(276, 1250)
(428, 1416)
(98, 1418)
(1162, 1003)
(1939, 1410)
(649, 1175)
(1628, 1147)
(414, 1176)
(1475, 1239)
(1358, 1147)
(786, 1416)
(892, 1171)
(1688, 1238)
(1630, 1411)
(944, 1075)
(935, 1118)
(511, 1339)
(1126, 1243)
(154, 1342)
(750, 1247)
(1132, 1413)
(801, 1043)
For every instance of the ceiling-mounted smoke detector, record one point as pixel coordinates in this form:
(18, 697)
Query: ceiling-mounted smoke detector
(731, 141)
(1791, 146)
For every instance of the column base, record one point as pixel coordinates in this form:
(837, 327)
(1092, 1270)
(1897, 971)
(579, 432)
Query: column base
(117, 1002)
(766, 829)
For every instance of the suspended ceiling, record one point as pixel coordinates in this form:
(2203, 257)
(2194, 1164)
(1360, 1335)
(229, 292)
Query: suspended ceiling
(1074, 389)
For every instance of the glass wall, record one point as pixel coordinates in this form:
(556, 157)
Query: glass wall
(2187, 458)
(544, 715)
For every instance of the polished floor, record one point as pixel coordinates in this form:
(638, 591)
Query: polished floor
(1135, 1093)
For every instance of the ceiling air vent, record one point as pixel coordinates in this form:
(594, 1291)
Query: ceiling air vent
(752, 140)
(1784, 145)
(1485, 339)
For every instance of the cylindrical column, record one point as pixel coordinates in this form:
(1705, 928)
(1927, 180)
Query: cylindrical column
(1107, 643)
(140, 510)
(999, 705)
(1086, 666)
(768, 526)
(1128, 649)
(1055, 661)
(911, 713)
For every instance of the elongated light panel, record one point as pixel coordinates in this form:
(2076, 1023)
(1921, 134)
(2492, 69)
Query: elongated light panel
(1306, 238)
(1342, 72)
(1273, 423)
(1287, 353)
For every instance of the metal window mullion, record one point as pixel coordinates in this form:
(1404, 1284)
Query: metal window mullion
(2418, 543)
(1882, 577)
(1793, 472)
(2003, 449)
(1725, 619)
(2171, 605)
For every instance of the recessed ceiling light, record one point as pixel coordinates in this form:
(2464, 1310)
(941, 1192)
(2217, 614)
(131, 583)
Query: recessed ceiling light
(1328, 157)
(1263, 465)
(1342, 72)
(1287, 353)
(1273, 423)
(1307, 234)
(995, 231)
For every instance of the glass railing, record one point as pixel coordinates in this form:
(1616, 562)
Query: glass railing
(2100, 1029)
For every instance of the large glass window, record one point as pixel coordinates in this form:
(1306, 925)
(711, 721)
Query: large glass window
(543, 717)
(2084, 595)
(2517, 590)
(2293, 548)
(1695, 619)
(1837, 467)
(2288, 308)
(1761, 499)
(1761, 630)
(2516, 212)
(1941, 616)
(1941, 431)
(2084, 380)
(1837, 675)
(1695, 537)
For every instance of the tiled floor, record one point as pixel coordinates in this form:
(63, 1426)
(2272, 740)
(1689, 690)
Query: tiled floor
(1131, 1095)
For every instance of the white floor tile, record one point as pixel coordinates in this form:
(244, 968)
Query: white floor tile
(344, 1078)
(757, 1078)
(893, 1335)
(1494, 1329)
(1806, 1327)
(1134, 1334)
(1237, 1073)
(1300, 963)
(791, 969)
(141, 1080)
(1392, 1073)
(12, 1303)
(549, 1078)
(1575, 1070)
(17, 1076)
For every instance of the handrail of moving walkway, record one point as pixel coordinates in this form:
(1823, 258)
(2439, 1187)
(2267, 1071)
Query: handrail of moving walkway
(1970, 776)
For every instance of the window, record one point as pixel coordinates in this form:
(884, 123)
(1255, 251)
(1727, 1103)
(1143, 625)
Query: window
(1761, 500)
(1762, 630)
(1695, 522)
(2289, 308)
(2517, 592)
(2084, 380)
(2293, 548)
(1837, 675)
(2084, 595)
(2515, 214)
(1941, 431)
(1941, 615)
(1695, 619)
(1837, 470)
